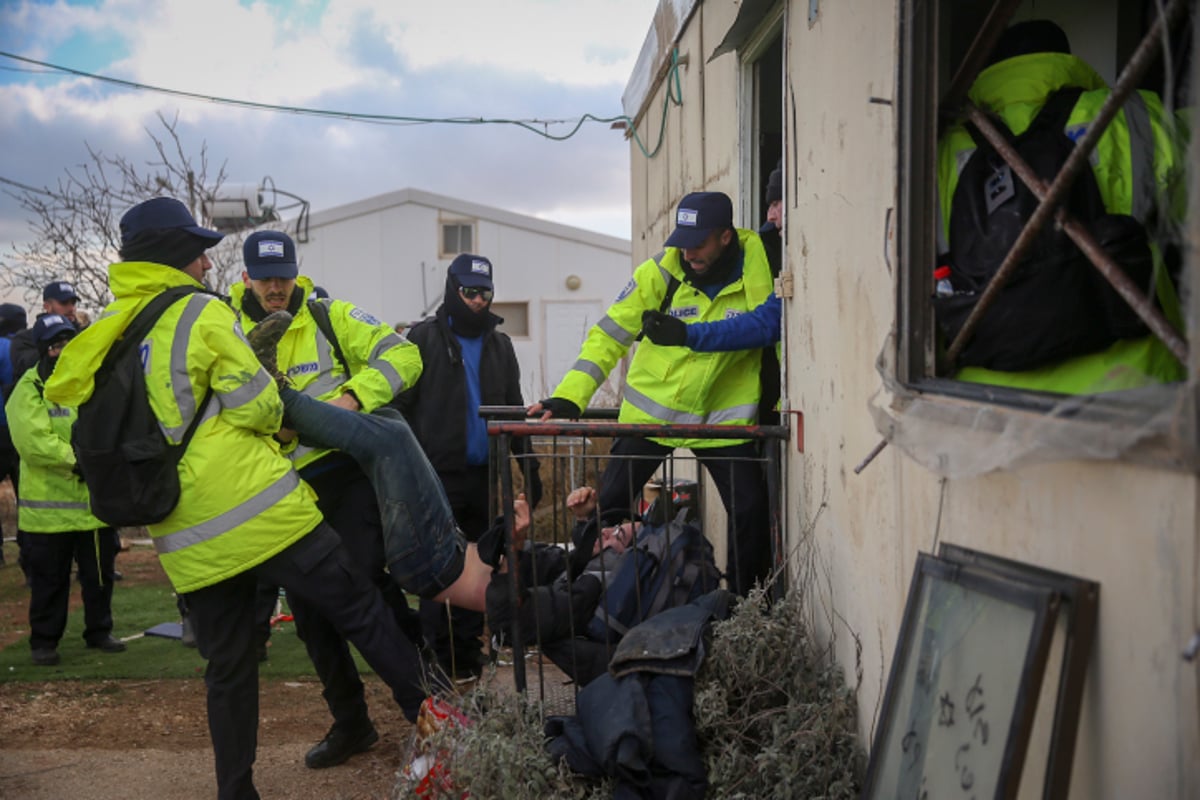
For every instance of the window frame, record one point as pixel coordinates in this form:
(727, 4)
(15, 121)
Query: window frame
(523, 308)
(459, 222)
(918, 93)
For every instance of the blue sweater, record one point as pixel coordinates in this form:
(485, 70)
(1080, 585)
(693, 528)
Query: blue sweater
(752, 330)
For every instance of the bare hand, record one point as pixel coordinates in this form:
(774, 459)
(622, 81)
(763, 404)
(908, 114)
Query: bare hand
(536, 409)
(345, 400)
(285, 435)
(521, 521)
(582, 502)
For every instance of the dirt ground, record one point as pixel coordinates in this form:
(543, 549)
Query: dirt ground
(115, 740)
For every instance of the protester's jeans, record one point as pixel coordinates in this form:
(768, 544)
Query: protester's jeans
(424, 549)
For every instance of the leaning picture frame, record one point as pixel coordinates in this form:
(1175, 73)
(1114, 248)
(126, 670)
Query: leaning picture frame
(1079, 601)
(964, 684)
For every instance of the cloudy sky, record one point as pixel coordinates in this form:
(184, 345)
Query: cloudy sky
(439, 59)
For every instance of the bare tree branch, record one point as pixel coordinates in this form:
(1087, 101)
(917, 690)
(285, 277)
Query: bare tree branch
(75, 222)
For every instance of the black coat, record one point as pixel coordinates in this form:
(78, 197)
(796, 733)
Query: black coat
(436, 406)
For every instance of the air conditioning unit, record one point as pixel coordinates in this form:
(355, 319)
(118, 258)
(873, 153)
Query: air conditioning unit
(238, 206)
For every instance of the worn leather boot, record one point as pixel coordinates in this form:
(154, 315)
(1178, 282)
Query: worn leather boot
(339, 744)
(264, 339)
(45, 656)
(108, 644)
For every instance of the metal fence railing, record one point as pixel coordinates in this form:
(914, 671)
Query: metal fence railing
(573, 454)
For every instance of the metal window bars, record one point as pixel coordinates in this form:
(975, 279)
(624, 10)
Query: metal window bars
(566, 451)
(1050, 196)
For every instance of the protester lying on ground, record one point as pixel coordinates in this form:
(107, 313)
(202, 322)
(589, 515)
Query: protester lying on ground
(576, 606)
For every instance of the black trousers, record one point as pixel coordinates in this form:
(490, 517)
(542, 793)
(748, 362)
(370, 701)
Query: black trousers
(737, 472)
(319, 571)
(454, 633)
(347, 501)
(49, 559)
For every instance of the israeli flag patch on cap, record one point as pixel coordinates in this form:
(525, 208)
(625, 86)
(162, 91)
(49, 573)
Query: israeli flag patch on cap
(481, 267)
(687, 216)
(270, 248)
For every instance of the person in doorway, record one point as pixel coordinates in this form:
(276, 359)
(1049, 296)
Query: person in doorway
(467, 363)
(760, 328)
(709, 270)
(225, 536)
(53, 510)
(337, 353)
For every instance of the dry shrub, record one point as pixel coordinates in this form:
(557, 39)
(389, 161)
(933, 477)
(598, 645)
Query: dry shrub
(773, 715)
(500, 757)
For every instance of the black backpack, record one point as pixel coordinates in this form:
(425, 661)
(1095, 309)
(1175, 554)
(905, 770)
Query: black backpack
(669, 565)
(1056, 304)
(130, 468)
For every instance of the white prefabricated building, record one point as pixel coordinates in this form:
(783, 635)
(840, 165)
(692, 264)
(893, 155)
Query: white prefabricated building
(389, 254)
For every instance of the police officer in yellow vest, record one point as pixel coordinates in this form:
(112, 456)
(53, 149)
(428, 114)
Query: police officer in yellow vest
(381, 363)
(715, 270)
(53, 509)
(244, 514)
(1134, 161)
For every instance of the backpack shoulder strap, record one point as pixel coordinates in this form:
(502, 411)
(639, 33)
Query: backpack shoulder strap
(1055, 112)
(137, 330)
(320, 313)
(672, 287)
(142, 324)
(1053, 115)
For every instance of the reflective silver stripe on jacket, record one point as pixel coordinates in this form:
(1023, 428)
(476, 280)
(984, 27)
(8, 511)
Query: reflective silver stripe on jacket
(1141, 156)
(673, 417)
(181, 381)
(388, 371)
(590, 369)
(246, 392)
(207, 531)
(666, 275)
(622, 336)
(326, 381)
(52, 504)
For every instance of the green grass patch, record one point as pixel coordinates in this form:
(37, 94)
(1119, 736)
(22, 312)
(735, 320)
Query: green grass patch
(137, 606)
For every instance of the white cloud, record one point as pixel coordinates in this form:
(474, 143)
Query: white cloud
(520, 59)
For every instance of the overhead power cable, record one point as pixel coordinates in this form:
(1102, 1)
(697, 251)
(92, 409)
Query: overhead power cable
(537, 126)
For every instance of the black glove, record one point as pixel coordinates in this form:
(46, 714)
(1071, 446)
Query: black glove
(664, 329)
(558, 407)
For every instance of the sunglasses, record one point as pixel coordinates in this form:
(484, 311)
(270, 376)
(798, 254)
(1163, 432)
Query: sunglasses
(471, 292)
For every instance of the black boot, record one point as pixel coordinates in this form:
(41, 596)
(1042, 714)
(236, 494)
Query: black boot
(341, 743)
(264, 339)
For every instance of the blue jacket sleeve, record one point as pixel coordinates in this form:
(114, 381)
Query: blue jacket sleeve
(749, 331)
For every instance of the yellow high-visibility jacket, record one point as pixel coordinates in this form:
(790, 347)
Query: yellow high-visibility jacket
(241, 502)
(1136, 162)
(382, 362)
(674, 385)
(53, 497)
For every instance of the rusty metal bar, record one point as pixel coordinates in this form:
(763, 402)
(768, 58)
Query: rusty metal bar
(981, 48)
(1141, 60)
(1079, 234)
(554, 428)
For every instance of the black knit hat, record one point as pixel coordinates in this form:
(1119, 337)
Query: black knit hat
(775, 183)
(1030, 36)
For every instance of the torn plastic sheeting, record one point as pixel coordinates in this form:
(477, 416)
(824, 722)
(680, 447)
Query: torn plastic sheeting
(959, 438)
